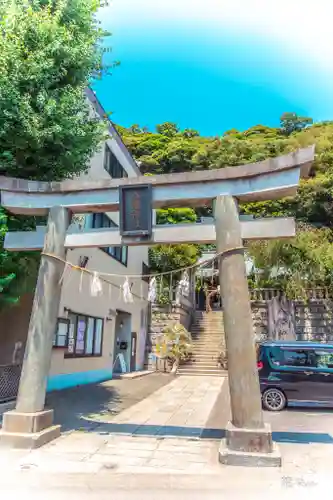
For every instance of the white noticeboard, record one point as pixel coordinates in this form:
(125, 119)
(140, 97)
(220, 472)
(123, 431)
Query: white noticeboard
(122, 363)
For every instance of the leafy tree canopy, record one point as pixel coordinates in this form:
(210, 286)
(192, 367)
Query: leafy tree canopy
(48, 54)
(168, 129)
(291, 122)
(303, 262)
(313, 204)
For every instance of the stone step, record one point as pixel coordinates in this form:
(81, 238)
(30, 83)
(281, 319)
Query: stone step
(215, 373)
(210, 347)
(206, 356)
(211, 314)
(207, 359)
(209, 343)
(218, 321)
(200, 365)
(205, 348)
(218, 325)
(207, 336)
(208, 329)
(207, 333)
(205, 329)
(198, 321)
(202, 321)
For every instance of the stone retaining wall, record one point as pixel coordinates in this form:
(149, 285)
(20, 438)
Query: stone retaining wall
(313, 319)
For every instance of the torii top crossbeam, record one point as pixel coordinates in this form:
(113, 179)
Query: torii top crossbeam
(266, 180)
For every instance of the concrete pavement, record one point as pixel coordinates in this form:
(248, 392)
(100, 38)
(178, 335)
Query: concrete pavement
(167, 443)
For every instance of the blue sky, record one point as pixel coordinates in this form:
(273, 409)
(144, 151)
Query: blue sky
(218, 64)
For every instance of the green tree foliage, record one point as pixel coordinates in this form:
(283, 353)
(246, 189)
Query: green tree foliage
(296, 264)
(168, 129)
(17, 270)
(48, 53)
(190, 132)
(313, 204)
(170, 257)
(291, 122)
(176, 216)
(175, 344)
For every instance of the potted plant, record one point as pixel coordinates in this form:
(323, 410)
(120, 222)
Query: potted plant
(174, 345)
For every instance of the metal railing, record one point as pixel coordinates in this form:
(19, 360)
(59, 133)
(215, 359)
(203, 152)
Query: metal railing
(263, 294)
(9, 381)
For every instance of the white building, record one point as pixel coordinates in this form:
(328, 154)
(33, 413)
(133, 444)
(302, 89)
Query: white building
(93, 330)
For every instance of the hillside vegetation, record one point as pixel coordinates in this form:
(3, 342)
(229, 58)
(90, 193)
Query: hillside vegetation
(307, 260)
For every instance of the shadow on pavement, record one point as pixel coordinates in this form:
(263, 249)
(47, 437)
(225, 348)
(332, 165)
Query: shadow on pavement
(75, 408)
(302, 437)
(206, 433)
(159, 431)
(309, 408)
(84, 407)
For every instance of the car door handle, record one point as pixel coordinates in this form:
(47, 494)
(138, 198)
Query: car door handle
(325, 374)
(308, 373)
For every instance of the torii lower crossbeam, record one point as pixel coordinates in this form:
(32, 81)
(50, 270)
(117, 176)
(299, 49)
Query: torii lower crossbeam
(256, 229)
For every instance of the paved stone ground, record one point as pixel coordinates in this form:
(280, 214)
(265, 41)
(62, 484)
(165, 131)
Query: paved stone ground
(161, 431)
(168, 444)
(80, 407)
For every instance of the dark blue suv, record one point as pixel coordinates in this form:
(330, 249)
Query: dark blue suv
(295, 372)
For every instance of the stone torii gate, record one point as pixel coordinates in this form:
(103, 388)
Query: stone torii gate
(248, 439)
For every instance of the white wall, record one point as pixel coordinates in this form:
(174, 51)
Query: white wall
(76, 290)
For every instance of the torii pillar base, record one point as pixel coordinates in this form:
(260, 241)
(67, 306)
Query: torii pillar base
(28, 430)
(249, 447)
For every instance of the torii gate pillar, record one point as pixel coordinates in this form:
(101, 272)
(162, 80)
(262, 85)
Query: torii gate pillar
(30, 425)
(248, 440)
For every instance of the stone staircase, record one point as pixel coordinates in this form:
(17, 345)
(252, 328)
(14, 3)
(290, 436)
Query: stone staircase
(208, 341)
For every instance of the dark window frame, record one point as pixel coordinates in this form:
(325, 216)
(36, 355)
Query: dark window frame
(84, 355)
(145, 272)
(114, 252)
(56, 344)
(112, 165)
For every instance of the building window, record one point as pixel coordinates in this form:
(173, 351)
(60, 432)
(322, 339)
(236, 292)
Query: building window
(61, 335)
(85, 336)
(112, 165)
(118, 253)
(145, 272)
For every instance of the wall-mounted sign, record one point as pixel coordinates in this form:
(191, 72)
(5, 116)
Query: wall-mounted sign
(135, 210)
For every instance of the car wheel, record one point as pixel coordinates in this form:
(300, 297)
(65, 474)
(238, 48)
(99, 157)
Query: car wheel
(274, 400)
